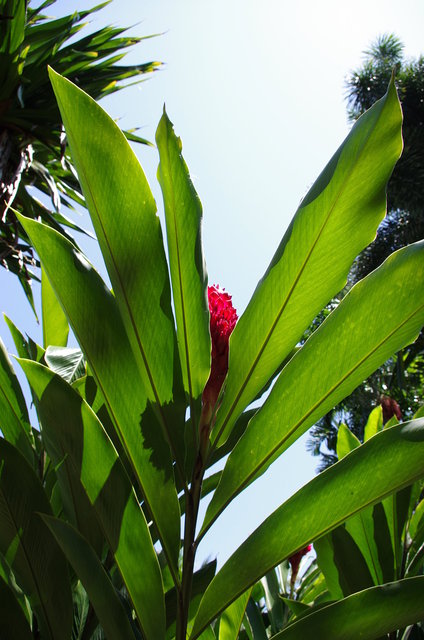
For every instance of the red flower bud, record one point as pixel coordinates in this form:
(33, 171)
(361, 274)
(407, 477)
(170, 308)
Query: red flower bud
(294, 562)
(390, 408)
(223, 318)
(295, 559)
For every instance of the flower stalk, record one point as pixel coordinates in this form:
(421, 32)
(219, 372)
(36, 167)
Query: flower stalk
(223, 318)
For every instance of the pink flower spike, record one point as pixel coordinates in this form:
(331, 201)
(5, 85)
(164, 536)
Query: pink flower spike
(223, 318)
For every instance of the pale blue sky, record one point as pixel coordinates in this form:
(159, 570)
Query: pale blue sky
(256, 91)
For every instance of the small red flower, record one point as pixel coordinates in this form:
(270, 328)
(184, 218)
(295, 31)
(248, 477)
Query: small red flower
(223, 318)
(390, 408)
(295, 559)
(294, 562)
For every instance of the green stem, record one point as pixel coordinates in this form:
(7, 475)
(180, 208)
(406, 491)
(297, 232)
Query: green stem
(190, 547)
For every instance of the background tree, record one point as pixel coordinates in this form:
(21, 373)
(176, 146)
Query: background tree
(402, 376)
(33, 151)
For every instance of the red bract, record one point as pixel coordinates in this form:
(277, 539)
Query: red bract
(223, 318)
(295, 559)
(390, 408)
(294, 562)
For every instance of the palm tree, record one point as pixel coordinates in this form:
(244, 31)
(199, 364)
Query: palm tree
(33, 150)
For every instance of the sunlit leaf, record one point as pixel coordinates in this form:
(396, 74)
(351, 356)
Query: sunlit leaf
(335, 221)
(380, 315)
(88, 303)
(80, 437)
(183, 213)
(369, 614)
(357, 481)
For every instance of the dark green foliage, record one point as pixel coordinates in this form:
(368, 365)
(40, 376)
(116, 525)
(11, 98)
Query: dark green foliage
(33, 146)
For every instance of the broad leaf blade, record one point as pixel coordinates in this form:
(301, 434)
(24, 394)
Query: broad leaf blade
(14, 422)
(123, 213)
(67, 362)
(29, 548)
(335, 221)
(55, 324)
(357, 481)
(232, 618)
(100, 590)
(183, 212)
(80, 436)
(13, 623)
(92, 312)
(369, 614)
(379, 316)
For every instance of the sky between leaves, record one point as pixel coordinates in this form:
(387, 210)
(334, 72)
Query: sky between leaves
(255, 89)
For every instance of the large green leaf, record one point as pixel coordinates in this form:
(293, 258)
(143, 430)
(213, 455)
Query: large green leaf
(357, 481)
(13, 623)
(367, 615)
(105, 600)
(80, 436)
(232, 617)
(123, 213)
(379, 316)
(14, 420)
(362, 526)
(29, 548)
(92, 312)
(335, 221)
(183, 212)
(55, 325)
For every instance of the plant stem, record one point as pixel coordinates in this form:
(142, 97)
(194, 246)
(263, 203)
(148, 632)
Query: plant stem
(190, 547)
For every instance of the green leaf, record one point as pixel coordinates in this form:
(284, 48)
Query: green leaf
(417, 519)
(255, 621)
(380, 315)
(92, 312)
(367, 615)
(55, 325)
(67, 362)
(296, 606)
(346, 441)
(335, 221)
(14, 423)
(357, 481)
(13, 623)
(325, 560)
(100, 590)
(273, 601)
(123, 213)
(232, 618)
(80, 436)
(354, 574)
(383, 559)
(29, 548)
(183, 212)
(374, 422)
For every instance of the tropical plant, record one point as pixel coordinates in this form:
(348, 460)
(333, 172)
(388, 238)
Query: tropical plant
(402, 375)
(34, 157)
(383, 543)
(128, 448)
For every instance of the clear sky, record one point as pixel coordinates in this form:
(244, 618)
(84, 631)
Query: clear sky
(255, 89)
